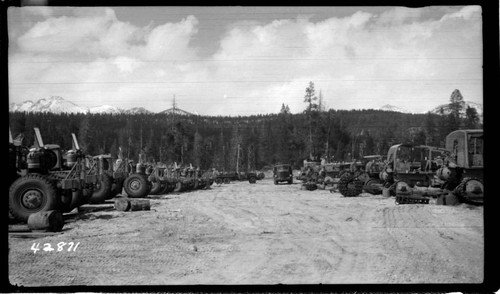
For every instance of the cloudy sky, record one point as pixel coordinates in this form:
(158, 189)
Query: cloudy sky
(246, 60)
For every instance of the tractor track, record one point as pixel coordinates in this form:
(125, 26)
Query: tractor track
(241, 233)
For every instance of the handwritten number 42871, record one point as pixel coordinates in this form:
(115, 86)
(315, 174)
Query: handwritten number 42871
(47, 247)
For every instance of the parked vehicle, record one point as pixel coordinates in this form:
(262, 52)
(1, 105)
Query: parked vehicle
(282, 173)
(51, 179)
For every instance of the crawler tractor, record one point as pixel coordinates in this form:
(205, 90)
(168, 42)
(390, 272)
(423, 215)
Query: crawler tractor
(51, 179)
(361, 174)
(406, 165)
(415, 173)
(463, 169)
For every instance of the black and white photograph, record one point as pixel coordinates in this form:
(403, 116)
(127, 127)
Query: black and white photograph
(245, 145)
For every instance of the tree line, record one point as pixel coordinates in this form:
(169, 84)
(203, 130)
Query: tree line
(249, 142)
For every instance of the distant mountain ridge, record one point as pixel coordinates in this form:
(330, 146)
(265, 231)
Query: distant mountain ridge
(57, 104)
(389, 107)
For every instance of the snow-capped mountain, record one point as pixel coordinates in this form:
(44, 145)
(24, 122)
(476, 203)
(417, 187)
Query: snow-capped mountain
(389, 107)
(137, 110)
(105, 109)
(56, 104)
(53, 104)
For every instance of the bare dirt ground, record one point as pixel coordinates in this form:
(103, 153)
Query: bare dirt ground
(243, 233)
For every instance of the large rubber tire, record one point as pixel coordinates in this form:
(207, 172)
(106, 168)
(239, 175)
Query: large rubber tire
(156, 187)
(252, 180)
(348, 185)
(116, 188)
(226, 181)
(171, 187)
(103, 189)
(218, 181)
(30, 194)
(65, 199)
(86, 195)
(179, 187)
(136, 186)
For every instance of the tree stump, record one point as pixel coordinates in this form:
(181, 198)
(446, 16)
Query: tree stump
(125, 204)
(50, 221)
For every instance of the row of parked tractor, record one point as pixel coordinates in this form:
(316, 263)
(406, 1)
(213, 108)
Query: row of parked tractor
(411, 173)
(43, 177)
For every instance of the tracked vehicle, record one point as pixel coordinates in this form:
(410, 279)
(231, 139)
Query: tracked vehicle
(463, 169)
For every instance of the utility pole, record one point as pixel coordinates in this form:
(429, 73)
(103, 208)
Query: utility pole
(173, 113)
(238, 159)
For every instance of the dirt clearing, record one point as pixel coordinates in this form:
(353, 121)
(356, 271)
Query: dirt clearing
(243, 233)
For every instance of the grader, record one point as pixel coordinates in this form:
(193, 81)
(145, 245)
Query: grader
(50, 179)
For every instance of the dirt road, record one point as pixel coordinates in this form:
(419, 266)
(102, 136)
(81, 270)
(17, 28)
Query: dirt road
(243, 233)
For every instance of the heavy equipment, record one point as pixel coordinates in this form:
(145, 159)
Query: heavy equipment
(51, 179)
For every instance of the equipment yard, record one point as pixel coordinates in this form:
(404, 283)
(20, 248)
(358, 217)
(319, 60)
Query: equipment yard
(241, 233)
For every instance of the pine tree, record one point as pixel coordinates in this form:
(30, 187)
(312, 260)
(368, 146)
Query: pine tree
(471, 118)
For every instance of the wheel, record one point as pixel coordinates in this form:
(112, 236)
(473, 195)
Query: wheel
(164, 188)
(470, 190)
(226, 181)
(171, 186)
(372, 186)
(116, 188)
(218, 181)
(67, 198)
(103, 189)
(179, 187)
(401, 187)
(30, 194)
(136, 186)
(86, 195)
(349, 186)
(155, 188)
(252, 180)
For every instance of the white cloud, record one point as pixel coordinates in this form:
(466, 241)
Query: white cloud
(361, 61)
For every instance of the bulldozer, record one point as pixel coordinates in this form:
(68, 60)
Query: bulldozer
(415, 173)
(50, 179)
(462, 171)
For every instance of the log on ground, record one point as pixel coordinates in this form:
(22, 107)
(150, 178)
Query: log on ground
(50, 221)
(126, 204)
